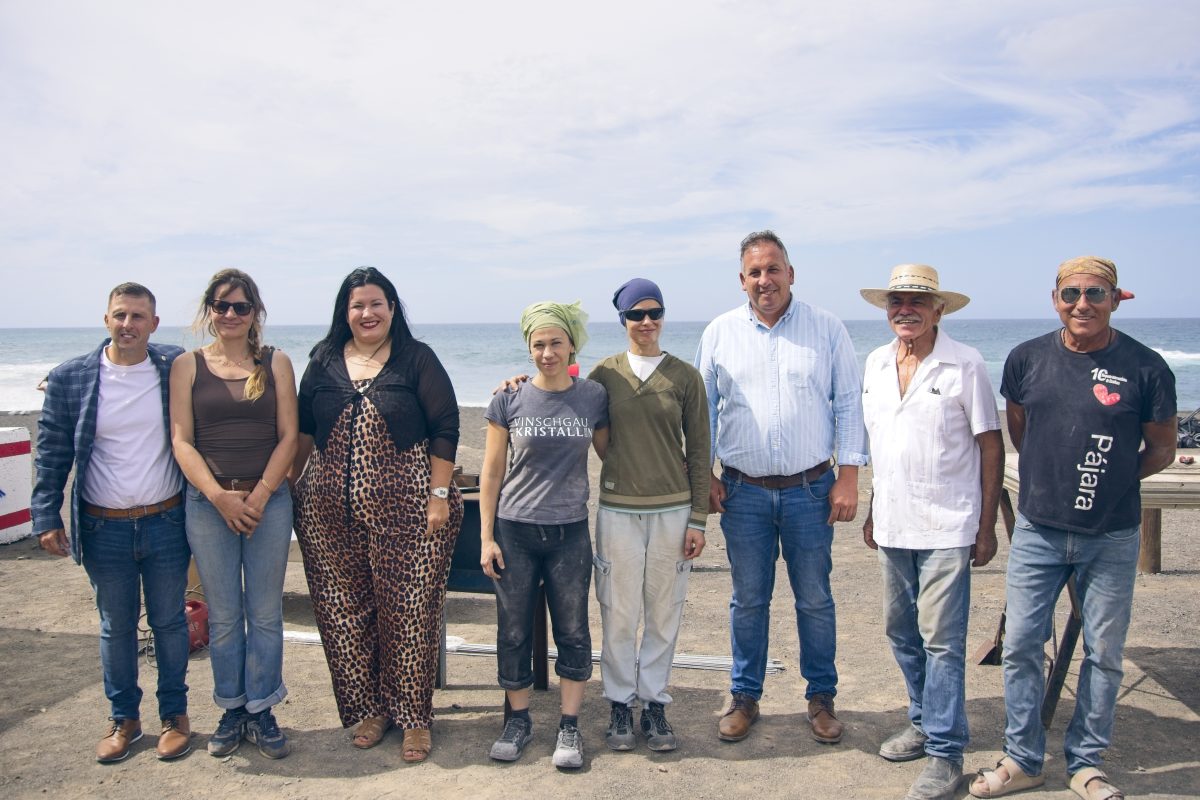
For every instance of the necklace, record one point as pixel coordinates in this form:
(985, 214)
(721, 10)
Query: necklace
(359, 358)
(227, 361)
(1062, 334)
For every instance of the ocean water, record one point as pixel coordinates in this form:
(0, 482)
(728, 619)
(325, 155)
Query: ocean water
(478, 356)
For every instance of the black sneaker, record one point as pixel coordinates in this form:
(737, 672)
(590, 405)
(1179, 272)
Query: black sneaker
(262, 730)
(620, 735)
(660, 736)
(517, 733)
(228, 736)
(568, 750)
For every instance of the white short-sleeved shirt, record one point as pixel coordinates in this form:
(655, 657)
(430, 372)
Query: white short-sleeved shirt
(926, 471)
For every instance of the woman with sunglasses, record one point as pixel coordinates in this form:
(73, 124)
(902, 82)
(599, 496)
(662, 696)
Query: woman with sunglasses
(233, 423)
(534, 522)
(377, 513)
(653, 511)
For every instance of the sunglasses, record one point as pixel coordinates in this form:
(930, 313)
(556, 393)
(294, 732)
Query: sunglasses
(221, 307)
(1094, 294)
(639, 314)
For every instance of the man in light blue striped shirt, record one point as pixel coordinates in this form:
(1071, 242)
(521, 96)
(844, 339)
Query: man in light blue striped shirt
(784, 395)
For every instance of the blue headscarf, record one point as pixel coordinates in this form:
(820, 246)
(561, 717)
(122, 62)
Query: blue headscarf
(633, 292)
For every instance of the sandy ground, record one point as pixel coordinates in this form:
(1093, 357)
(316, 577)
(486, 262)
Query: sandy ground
(52, 705)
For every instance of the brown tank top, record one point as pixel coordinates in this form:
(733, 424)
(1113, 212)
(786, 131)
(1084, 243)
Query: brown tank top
(235, 436)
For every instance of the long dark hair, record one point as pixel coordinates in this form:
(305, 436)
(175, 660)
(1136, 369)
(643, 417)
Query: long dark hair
(339, 333)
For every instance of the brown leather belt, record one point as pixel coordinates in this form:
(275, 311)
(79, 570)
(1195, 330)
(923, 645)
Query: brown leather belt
(780, 481)
(239, 484)
(137, 512)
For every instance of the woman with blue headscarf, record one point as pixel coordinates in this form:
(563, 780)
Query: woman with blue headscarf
(534, 522)
(653, 511)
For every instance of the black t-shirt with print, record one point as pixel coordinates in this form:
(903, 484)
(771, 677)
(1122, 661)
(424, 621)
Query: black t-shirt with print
(1083, 428)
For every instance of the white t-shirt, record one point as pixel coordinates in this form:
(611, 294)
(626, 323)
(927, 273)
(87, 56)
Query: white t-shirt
(925, 460)
(132, 464)
(644, 366)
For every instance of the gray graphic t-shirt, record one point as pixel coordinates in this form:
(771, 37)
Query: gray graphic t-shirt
(550, 433)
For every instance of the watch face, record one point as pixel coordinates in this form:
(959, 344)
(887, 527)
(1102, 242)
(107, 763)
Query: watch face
(441, 493)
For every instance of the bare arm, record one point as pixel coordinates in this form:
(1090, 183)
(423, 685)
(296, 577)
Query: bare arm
(991, 479)
(304, 446)
(1160, 440)
(495, 454)
(1015, 414)
(437, 511)
(869, 525)
(843, 497)
(286, 431)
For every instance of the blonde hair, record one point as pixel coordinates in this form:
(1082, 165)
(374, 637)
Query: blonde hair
(232, 279)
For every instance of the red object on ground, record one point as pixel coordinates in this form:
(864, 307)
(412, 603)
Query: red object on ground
(197, 624)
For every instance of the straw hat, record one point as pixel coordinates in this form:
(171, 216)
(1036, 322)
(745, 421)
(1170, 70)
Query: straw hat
(914, 278)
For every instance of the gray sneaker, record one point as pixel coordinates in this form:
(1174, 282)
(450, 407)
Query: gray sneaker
(907, 745)
(938, 781)
(517, 733)
(660, 736)
(263, 730)
(228, 736)
(620, 735)
(568, 752)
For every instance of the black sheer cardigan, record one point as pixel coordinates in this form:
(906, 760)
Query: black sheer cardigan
(412, 392)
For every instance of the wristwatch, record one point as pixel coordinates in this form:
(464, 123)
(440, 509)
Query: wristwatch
(441, 492)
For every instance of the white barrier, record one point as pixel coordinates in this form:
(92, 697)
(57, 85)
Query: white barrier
(16, 484)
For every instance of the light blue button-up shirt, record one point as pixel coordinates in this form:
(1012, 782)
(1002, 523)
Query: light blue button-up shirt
(781, 398)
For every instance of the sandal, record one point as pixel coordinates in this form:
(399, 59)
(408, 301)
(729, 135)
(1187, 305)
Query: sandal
(370, 732)
(1101, 791)
(417, 744)
(988, 782)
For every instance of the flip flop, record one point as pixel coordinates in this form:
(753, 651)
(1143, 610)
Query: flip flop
(1102, 791)
(417, 745)
(994, 786)
(370, 732)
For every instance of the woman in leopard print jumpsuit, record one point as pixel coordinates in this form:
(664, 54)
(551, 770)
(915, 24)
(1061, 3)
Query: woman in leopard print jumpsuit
(377, 514)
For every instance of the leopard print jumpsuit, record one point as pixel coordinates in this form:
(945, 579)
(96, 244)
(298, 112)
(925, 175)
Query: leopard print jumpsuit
(377, 581)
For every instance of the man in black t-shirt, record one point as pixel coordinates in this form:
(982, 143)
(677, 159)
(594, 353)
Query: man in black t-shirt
(1082, 401)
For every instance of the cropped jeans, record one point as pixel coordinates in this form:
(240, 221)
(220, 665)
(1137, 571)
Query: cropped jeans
(758, 524)
(123, 557)
(926, 602)
(560, 556)
(1039, 563)
(243, 586)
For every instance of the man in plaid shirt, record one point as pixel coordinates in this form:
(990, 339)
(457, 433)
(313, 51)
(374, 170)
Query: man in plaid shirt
(106, 414)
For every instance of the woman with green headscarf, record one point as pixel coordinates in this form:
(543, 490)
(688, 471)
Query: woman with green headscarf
(534, 522)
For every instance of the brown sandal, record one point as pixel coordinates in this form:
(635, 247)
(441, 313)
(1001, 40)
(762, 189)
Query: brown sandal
(417, 745)
(370, 732)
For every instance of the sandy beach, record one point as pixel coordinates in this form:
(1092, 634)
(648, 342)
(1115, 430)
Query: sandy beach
(52, 706)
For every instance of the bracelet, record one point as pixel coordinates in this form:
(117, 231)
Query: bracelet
(263, 481)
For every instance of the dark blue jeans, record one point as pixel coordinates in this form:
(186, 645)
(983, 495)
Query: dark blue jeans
(560, 556)
(121, 557)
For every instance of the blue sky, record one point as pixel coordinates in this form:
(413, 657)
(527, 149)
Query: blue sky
(486, 155)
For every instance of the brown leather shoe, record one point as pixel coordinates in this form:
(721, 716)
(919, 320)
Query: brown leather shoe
(122, 733)
(825, 726)
(735, 723)
(175, 739)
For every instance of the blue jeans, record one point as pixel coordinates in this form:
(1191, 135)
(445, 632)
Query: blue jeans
(1040, 561)
(561, 557)
(926, 601)
(121, 558)
(243, 586)
(758, 523)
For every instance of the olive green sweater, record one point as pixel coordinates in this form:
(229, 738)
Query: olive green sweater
(658, 443)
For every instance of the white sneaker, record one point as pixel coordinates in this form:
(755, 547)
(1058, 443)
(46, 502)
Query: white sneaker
(568, 752)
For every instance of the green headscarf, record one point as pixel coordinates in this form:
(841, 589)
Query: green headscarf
(568, 316)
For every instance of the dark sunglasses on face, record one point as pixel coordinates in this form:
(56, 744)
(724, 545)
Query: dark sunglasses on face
(241, 309)
(1094, 294)
(639, 314)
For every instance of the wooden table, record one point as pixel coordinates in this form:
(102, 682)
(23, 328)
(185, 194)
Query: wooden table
(1178, 486)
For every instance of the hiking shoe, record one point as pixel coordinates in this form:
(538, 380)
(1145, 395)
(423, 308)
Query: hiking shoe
(568, 751)
(228, 735)
(735, 723)
(620, 735)
(938, 781)
(262, 730)
(517, 733)
(907, 745)
(660, 737)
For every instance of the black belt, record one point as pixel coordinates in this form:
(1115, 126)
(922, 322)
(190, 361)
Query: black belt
(137, 512)
(780, 481)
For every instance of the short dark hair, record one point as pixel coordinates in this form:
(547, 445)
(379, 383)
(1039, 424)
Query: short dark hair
(133, 290)
(339, 333)
(767, 236)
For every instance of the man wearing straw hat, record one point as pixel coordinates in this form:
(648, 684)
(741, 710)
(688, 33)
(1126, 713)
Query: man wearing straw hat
(784, 395)
(938, 461)
(1082, 401)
